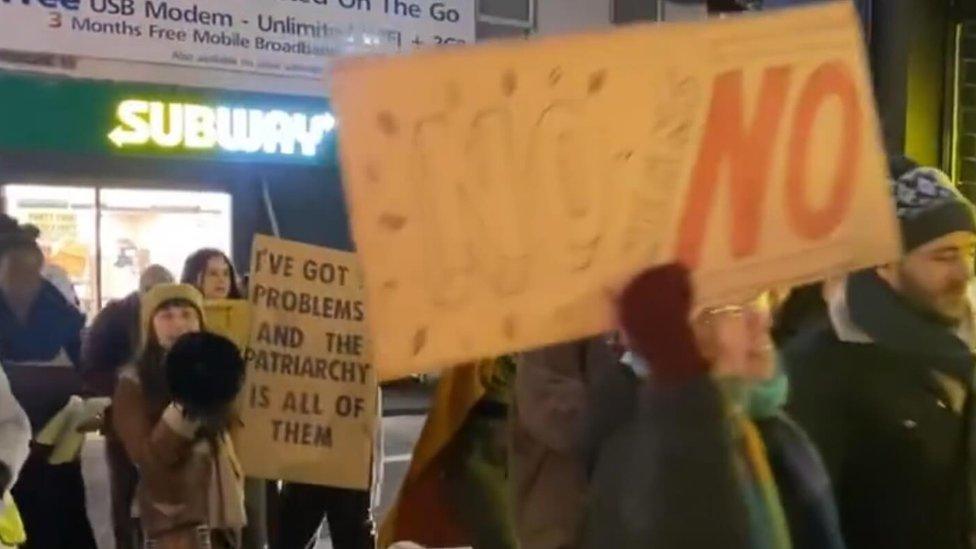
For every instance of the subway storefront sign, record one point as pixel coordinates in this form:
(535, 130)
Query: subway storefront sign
(121, 119)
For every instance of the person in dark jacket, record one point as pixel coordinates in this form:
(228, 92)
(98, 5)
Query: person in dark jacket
(885, 390)
(699, 453)
(40, 346)
(111, 343)
(667, 479)
(113, 338)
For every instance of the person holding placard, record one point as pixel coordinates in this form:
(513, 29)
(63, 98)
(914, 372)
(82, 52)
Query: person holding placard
(111, 343)
(885, 389)
(213, 274)
(706, 457)
(173, 410)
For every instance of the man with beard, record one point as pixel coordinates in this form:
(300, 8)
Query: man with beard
(885, 390)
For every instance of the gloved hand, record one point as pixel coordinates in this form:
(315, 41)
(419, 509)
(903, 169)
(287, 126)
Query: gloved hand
(654, 312)
(216, 422)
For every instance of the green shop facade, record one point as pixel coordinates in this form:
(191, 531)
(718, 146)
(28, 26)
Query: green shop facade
(121, 175)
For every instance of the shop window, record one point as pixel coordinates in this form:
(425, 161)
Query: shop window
(513, 13)
(963, 161)
(66, 218)
(631, 11)
(142, 227)
(505, 19)
(492, 31)
(104, 239)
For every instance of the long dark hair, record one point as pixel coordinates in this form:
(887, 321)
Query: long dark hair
(151, 366)
(14, 236)
(196, 265)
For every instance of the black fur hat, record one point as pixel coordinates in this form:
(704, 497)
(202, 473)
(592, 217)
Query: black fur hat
(205, 373)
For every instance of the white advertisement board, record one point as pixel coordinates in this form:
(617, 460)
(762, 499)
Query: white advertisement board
(294, 38)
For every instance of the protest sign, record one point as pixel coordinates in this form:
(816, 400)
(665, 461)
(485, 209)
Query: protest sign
(501, 200)
(230, 318)
(309, 406)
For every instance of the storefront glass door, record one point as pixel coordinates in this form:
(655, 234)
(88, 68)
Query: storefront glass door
(129, 230)
(141, 227)
(66, 218)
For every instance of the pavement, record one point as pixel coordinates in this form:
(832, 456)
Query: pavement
(405, 406)
(399, 435)
(407, 398)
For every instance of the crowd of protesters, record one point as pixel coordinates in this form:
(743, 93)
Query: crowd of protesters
(174, 477)
(829, 416)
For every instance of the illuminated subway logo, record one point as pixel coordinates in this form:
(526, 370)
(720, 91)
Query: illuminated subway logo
(194, 127)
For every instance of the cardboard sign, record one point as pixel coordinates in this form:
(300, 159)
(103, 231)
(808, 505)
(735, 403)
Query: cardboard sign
(309, 407)
(230, 318)
(501, 195)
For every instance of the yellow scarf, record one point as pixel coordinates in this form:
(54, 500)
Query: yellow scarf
(754, 453)
(12, 531)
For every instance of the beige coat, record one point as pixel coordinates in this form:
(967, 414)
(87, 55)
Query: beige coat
(184, 482)
(547, 471)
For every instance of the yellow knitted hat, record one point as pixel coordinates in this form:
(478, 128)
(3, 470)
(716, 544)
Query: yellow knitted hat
(158, 295)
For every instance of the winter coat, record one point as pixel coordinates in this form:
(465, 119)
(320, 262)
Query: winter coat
(667, 479)
(423, 493)
(41, 357)
(15, 435)
(185, 481)
(15, 432)
(111, 343)
(547, 469)
(883, 393)
(800, 481)
(612, 406)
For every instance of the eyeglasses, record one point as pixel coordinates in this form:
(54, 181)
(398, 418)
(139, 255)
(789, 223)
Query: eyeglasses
(758, 303)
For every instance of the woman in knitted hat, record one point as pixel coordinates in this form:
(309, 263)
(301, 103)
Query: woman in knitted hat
(190, 492)
(213, 273)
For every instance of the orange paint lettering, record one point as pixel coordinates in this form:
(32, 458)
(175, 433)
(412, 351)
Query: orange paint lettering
(748, 152)
(829, 80)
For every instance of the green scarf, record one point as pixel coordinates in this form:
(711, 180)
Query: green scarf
(748, 402)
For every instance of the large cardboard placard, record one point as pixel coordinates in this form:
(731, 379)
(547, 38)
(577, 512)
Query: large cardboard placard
(230, 318)
(501, 199)
(309, 407)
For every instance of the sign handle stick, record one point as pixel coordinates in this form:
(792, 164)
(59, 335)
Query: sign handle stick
(266, 198)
